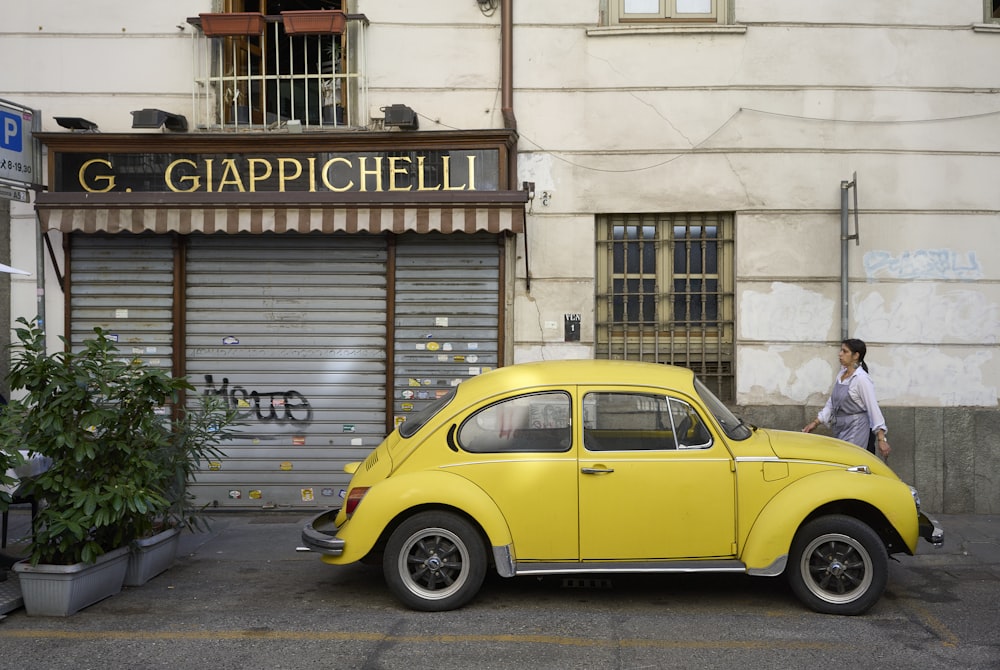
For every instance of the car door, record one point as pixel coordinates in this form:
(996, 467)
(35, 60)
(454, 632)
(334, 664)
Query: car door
(654, 482)
(519, 450)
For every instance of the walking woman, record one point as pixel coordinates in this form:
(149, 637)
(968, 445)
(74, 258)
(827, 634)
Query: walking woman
(852, 410)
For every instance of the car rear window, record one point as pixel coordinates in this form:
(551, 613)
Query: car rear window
(530, 422)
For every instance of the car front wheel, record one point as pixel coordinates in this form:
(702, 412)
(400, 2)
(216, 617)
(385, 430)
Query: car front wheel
(838, 565)
(434, 561)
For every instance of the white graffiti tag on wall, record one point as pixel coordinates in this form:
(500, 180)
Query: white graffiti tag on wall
(924, 313)
(788, 313)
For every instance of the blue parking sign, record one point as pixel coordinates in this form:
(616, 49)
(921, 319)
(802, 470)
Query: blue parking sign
(16, 144)
(11, 135)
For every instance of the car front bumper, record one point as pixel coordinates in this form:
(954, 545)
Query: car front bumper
(320, 534)
(930, 530)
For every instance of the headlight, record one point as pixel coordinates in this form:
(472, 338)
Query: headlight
(916, 497)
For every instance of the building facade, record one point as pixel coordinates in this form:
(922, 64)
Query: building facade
(331, 225)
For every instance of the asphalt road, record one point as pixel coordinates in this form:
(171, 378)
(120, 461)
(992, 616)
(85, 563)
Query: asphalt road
(240, 597)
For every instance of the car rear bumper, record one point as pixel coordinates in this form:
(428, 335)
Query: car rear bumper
(930, 530)
(320, 534)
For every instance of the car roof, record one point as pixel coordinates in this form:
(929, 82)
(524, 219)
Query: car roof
(577, 371)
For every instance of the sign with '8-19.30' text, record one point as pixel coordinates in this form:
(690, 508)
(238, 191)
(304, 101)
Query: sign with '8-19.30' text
(15, 145)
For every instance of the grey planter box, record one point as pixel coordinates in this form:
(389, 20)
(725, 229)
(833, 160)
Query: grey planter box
(150, 556)
(62, 590)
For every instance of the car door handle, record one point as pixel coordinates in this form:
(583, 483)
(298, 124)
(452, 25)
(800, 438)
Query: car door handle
(596, 471)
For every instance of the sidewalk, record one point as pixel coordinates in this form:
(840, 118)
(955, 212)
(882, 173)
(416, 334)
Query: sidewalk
(971, 540)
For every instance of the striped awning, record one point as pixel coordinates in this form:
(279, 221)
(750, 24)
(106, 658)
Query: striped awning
(130, 212)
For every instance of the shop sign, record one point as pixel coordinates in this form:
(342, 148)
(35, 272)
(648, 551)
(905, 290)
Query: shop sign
(336, 172)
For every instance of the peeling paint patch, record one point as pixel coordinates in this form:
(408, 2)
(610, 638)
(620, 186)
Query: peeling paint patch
(763, 375)
(911, 376)
(923, 264)
(921, 314)
(929, 376)
(788, 313)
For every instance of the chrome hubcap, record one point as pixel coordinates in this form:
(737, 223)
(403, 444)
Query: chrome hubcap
(836, 568)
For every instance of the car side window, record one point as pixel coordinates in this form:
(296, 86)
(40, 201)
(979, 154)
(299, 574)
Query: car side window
(531, 422)
(689, 428)
(640, 422)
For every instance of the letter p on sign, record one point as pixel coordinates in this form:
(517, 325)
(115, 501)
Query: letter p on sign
(11, 138)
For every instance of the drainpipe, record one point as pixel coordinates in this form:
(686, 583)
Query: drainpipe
(507, 110)
(845, 237)
(36, 160)
(507, 84)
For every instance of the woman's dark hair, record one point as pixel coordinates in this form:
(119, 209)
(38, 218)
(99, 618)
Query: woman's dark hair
(857, 347)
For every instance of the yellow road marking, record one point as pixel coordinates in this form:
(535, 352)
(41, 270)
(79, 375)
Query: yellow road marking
(324, 636)
(948, 638)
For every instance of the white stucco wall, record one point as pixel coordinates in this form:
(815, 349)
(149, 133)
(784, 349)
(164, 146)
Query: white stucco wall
(763, 122)
(767, 124)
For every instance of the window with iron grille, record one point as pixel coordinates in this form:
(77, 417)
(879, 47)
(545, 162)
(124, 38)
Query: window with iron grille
(261, 68)
(665, 292)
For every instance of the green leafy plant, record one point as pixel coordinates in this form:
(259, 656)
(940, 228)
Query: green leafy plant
(120, 459)
(195, 437)
(9, 459)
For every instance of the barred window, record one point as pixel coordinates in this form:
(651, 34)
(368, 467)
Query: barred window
(665, 292)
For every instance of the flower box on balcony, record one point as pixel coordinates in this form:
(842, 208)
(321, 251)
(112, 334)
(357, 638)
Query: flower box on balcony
(229, 24)
(314, 22)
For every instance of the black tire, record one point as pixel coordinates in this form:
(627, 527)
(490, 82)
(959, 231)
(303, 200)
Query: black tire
(434, 561)
(838, 565)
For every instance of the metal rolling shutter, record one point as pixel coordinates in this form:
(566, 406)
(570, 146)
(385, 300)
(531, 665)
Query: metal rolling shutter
(446, 325)
(124, 284)
(290, 328)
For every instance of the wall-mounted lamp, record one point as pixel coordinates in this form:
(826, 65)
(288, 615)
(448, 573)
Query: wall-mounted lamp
(529, 187)
(154, 118)
(400, 116)
(76, 123)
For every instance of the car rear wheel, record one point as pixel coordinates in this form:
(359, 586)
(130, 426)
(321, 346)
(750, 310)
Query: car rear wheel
(434, 561)
(838, 565)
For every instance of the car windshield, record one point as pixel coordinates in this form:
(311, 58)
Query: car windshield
(731, 424)
(416, 421)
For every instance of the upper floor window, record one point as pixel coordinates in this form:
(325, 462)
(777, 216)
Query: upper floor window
(699, 11)
(665, 287)
(265, 68)
(992, 9)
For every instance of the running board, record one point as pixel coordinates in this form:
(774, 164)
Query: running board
(681, 566)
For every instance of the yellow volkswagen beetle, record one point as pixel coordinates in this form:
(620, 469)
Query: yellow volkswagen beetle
(610, 467)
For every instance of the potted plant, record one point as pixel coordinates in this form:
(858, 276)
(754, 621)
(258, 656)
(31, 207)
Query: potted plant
(100, 418)
(232, 24)
(314, 22)
(194, 438)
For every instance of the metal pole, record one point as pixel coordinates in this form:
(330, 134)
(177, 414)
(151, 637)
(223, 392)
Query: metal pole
(36, 159)
(844, 237)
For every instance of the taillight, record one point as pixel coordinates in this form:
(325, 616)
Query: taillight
(354, 499)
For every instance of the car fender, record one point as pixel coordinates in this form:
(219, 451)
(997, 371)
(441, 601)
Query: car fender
(770, 538)
(390, 499)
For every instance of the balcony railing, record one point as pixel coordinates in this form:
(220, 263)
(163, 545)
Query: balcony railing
(262, 81)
